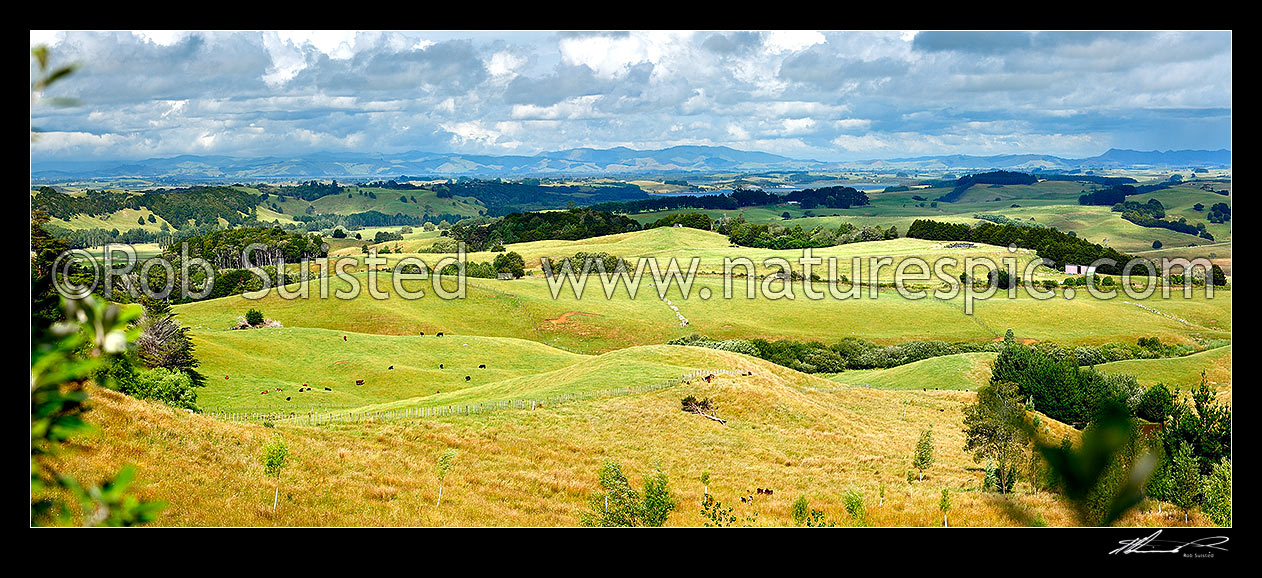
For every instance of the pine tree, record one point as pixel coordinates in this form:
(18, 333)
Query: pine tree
(1185, 480)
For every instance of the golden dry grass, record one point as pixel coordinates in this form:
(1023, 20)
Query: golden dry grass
(794, 433)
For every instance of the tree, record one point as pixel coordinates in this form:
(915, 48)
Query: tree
(1218, 494)
(1219, 276)
(254, 317)
(658, 501)
(444, 466)
(944, 504)
(616, 504)
(924, 453)
(275, 459)
(1156, 244)
(993, 431)
(1205, 427)
(1156, 404)
(510, 262)
(705, 483)
(164, 343)
(1185, 480)
(1158, 485)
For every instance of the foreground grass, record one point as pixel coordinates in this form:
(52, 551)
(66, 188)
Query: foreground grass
(794, 433)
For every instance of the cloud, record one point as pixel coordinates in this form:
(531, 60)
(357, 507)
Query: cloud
(825, 95)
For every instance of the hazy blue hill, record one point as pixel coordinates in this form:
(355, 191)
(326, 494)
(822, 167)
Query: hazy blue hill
(577, 161)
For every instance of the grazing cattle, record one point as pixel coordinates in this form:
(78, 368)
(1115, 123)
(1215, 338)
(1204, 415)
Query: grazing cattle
(225, 377)
(343, 338)
(287, 399)
(278, 389)
(467, 378)
(264, 392)
(440, 334)
(440, 366)
(422, 334)
(391, 367)
(483, 366)
(327, 389)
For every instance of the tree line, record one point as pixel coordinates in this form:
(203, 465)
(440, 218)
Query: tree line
(1050, 243)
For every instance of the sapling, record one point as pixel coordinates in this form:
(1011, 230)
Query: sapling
(444, 466)
(275, 458)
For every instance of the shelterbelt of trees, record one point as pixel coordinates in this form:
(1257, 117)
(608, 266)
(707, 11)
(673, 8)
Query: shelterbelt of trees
(830, 197)
(577, 223)
(1059, 247)
(504, 197)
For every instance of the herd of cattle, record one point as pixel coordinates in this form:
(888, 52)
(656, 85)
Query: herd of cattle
(305, 387)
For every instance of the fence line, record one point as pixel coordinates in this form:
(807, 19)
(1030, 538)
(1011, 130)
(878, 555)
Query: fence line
(319, 417)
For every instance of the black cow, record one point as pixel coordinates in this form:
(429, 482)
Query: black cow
(467, 378)
(359, 382)
(327, 389)
(440, 334)
(391, 367)
(483, 366)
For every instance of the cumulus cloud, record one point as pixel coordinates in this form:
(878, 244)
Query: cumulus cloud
(824, 95)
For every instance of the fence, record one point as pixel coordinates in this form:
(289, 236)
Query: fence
(317, 417)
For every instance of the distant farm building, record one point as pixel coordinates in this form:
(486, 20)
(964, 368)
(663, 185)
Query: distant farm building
(1079, 269)
(504, 276)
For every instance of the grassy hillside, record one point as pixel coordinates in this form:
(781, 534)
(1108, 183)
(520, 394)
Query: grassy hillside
(1181, 372)
(240, 364)
(965, 371)
(793, 433)
(525, 308)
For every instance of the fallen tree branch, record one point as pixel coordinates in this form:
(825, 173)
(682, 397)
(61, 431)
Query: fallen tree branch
(715, 418)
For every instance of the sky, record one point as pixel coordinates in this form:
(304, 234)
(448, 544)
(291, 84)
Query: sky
(824, 95)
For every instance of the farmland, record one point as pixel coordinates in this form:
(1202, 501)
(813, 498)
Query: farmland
(512, 340)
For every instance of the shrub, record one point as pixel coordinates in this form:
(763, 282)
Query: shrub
(172, 387)
(799, 511)
(854, 505)
(658, 501)
(254, 317)
(1218, 494)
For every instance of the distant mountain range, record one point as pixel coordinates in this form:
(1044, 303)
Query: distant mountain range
(578, 162)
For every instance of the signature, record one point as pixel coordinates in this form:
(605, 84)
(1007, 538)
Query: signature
(1151, 545)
